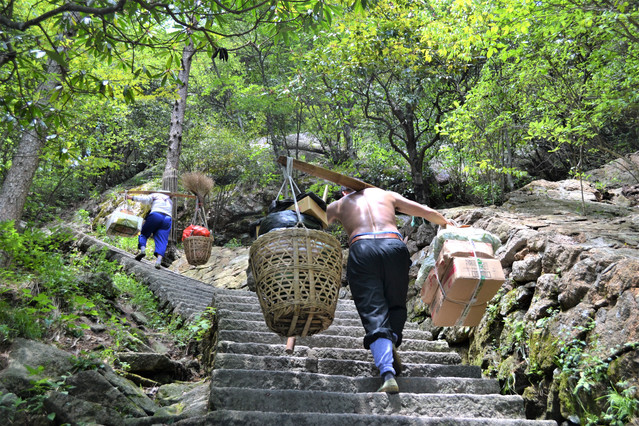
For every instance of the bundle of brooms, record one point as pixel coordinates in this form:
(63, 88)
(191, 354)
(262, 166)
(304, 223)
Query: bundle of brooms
(198, 183)
(198, 248)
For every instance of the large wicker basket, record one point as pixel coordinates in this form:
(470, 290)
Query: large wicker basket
(297, 275)
(197, 249)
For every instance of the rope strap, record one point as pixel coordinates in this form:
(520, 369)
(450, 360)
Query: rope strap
(290, 184)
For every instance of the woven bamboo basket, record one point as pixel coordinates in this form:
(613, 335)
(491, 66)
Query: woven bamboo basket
(197, 249)
(298, 274)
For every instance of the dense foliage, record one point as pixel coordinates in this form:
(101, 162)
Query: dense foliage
(51, 291)
(473, 98)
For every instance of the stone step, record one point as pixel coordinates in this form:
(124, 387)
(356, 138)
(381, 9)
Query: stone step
(340, 311)
(296, 380)
(321, 340)
(259, 316)
(332, 330)
(258, 418)
(232, 314)
(177, 298)
(491, 406)
(414, 357)
(250, 297)
(338, 366)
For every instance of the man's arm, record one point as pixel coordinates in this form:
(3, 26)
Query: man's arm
(409, 207)
(331, 212)
(144, 199)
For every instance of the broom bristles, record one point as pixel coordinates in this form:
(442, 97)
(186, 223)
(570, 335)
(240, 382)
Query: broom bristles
(198, 183)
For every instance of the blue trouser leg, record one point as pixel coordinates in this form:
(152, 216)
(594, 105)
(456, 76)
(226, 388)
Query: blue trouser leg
(161, 236)
(382, 350)
(159, 226)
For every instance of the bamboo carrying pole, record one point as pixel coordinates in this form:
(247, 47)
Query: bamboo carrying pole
(326, 174)
(172, 194)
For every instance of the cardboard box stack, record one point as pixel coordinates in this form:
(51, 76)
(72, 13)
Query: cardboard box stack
(465, 277)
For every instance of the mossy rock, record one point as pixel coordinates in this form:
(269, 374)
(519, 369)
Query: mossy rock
(486, 335)
(514, 333)
(580, 402)
(536, 400)
(508, 302)
(543, 347)
(511, 374)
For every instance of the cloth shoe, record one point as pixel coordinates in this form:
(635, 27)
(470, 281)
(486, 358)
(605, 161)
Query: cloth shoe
(141, 254)
(397, 362)
(390, 386)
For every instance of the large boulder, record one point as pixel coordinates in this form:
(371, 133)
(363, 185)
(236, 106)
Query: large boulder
(95, 395)
(30, 361)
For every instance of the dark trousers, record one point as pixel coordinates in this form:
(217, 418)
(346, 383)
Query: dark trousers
(158, 225)
(377, 273)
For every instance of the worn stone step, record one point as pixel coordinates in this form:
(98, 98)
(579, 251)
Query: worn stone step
(258, 418)
(338, 366)
(296, 380)
(414, 357)
(321, 340)
(172, 296)
(167, 292)
(492, 406)
(340, 311)
(335, 330)
(238, 296)
(259, 316)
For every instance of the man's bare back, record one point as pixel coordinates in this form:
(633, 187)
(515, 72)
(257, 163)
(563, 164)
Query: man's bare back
(373, 210)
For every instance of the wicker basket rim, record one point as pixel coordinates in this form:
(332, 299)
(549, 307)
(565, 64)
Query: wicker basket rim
(198, 237)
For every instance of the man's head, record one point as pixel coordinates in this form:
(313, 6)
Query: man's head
(346, 190)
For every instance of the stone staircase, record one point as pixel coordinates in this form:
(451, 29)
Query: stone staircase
(330, 379)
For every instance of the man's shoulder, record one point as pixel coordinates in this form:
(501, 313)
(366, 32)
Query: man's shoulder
(375, 191)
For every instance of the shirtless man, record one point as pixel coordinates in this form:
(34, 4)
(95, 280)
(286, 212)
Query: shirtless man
(377, 269)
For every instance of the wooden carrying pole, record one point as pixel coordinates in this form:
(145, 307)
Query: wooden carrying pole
(326, 174)
(172, 194)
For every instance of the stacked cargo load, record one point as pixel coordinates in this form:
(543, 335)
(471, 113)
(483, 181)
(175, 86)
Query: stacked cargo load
(460, 276)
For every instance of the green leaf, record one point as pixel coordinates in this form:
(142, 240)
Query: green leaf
(57, 58)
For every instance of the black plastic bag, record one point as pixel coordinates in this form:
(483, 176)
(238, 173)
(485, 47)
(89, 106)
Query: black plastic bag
(287, 219)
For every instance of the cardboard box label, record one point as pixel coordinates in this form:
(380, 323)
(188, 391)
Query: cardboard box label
(430, 287)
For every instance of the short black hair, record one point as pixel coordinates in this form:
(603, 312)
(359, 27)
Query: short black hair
(346, 189)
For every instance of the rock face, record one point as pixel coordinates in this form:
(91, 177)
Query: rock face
(90, 394)
(564, 329)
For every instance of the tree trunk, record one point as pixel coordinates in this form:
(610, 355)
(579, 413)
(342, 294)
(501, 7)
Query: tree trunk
(179, 110)
(348, 140)
(169, 178)
(15, 187)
